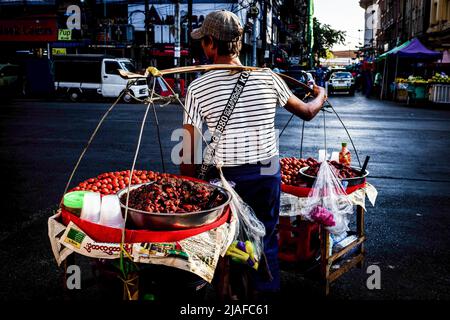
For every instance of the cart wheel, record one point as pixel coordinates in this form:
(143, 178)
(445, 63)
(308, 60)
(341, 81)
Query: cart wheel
(74, 95)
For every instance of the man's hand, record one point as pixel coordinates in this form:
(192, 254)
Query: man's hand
(307, 111)
(317, 91)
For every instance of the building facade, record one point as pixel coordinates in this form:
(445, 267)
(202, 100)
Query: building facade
(402, 20)
(146, 30)
(438, 30)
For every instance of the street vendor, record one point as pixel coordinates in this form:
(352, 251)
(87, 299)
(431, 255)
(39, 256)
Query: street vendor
(248, 144)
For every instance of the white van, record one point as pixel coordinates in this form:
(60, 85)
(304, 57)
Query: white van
(90, 74)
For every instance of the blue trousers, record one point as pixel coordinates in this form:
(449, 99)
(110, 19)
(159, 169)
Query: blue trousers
(262, 193)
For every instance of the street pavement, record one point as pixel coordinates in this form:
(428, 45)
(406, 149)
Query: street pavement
(408, 230)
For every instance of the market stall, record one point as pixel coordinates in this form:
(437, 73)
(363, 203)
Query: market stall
(414, 88)
(410, 89)
(91, 228)
(318, 201)
(305, 239)
(439, 88)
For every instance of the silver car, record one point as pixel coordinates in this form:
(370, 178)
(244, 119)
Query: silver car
(341, 81)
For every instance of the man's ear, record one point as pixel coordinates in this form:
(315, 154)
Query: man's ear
(211, 42)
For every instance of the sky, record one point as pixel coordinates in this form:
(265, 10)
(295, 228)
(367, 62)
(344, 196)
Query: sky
(344, 15)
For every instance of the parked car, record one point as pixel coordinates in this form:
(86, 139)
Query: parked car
(95, 75)
(301, 76)
(341, 81)
(332, 70)
(10, 79)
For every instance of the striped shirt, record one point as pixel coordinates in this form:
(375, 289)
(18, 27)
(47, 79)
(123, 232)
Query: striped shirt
(249, 135)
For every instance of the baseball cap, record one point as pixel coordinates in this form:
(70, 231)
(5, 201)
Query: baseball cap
(221, 24)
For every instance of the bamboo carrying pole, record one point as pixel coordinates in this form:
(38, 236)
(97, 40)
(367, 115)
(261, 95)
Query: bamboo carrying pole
(204, 68)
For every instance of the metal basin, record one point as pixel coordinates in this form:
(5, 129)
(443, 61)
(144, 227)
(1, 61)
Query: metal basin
(351, 181)
(173, 221)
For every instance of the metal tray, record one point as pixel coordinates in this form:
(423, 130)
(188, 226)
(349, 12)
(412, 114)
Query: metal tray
(173, 221)
(351, 181)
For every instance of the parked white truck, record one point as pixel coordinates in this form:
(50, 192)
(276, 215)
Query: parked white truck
(86, 75)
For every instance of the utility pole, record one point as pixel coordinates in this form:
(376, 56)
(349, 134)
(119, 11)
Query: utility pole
(105, 22)
(373, 33)
(146, 23)
(177, 43)
(264, 29)
(177, 34)
(253, 12)
(310, 32)
(189, 40)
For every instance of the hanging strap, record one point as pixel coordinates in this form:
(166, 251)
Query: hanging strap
(221, 124)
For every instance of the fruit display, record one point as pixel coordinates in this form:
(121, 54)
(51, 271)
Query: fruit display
(173, 195)
(440, 78)
(290, 169)
(401, 80)
(416, 80)
(111, 182)
(342, 171)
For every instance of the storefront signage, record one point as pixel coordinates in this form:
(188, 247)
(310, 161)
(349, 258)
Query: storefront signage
(64, 34)
(59, 51)
(36, 29)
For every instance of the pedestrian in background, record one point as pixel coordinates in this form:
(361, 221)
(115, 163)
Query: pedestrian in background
(320, 76)
(377, 84)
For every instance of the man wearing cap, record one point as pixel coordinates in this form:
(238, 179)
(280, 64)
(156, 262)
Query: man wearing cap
(247, 148)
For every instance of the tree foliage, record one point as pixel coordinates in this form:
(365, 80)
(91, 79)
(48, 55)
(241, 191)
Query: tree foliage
(325, 37)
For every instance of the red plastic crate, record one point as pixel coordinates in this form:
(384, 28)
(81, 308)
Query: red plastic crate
(299, 242)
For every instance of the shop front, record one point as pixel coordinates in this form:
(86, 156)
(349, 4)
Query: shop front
(410, 73)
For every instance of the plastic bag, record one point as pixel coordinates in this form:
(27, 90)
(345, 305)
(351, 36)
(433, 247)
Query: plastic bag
(248, 245)
(327, 202)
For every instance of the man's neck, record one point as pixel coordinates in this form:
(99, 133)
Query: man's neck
(227, 60)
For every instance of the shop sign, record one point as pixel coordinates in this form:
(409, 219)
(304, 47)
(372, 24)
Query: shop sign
(31, 29)
(64, 34)
(59, 51)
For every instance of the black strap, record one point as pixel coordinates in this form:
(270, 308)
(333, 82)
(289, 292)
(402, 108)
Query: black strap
(221, 124)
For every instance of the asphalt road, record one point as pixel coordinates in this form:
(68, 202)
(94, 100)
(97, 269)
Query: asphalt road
(408, 230)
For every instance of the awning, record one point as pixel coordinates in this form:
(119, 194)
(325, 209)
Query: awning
(393, 51)
(412, 49)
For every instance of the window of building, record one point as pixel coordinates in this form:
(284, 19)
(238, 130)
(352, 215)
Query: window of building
(447, 16)
(434, 12)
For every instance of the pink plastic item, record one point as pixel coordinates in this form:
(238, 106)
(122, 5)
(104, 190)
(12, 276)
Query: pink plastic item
(322, 215)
